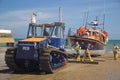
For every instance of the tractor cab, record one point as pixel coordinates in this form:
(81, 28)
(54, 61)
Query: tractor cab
(54, 33)
(46, 30)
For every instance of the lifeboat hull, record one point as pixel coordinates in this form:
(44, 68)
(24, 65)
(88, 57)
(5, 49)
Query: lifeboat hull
(95, 44)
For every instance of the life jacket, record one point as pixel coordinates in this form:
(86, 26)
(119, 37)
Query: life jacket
(116, 49)
(77, 48)
(87, 51)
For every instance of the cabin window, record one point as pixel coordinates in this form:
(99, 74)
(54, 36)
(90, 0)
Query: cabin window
(34, 31)
(88, 33)
(30, 31)
(38, 31)
(97, 34)
(58, 32)
(47, 31)
(93, 33)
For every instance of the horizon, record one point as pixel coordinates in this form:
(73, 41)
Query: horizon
(15, 15)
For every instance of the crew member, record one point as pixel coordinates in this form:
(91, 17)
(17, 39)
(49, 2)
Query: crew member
(87, 54)
(78, 50)
(115, 51)
(45, 33)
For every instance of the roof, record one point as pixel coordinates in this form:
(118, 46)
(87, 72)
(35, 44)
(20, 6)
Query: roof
(5, 31)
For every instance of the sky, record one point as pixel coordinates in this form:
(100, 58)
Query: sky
(15, 14)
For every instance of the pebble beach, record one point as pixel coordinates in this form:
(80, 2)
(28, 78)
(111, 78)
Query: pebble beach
(106, 69)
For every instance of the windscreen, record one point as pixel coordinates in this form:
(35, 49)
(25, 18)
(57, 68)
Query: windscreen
(40, 31)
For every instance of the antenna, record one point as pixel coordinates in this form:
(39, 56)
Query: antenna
(96, 18)
(103, 21)
(104, 14)
(69, 32)
(84, 20)
(60, 15)
(86, 17)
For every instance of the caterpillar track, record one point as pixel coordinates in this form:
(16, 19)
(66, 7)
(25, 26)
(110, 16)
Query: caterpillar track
(49, 60)
(10, 59)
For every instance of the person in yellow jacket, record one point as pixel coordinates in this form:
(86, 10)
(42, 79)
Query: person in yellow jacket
(87, 54)
(115, 51)
(78, 50)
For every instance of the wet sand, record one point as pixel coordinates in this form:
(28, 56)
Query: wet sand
(107, 69)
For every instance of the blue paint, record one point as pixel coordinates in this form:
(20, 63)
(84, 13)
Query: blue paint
(57, 42)
(29, 51)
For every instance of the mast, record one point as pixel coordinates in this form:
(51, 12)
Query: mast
(103, 21)
(86, 18)
(60, 14)
(104, 14)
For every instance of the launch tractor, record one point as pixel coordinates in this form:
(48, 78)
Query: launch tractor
(42, 50)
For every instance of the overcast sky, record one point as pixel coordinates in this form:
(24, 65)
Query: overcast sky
(15, 14)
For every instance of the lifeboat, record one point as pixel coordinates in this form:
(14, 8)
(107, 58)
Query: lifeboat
(95, 36)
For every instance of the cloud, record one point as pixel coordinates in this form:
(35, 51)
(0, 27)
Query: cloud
(42, 15)
(18, 20)
(21, 17)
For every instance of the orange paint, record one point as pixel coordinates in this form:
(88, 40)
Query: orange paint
(33, 39)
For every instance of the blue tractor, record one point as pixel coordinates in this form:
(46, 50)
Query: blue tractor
(42, 50)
